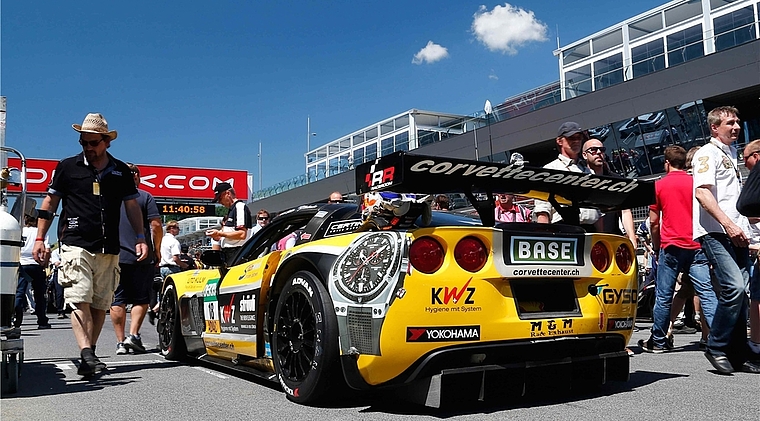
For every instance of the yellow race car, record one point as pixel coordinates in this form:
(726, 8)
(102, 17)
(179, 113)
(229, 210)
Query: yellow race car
(394, 295)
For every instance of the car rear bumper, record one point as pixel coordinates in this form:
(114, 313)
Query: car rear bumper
(514, 368)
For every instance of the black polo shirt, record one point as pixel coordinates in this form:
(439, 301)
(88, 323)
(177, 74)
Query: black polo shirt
(91, 202)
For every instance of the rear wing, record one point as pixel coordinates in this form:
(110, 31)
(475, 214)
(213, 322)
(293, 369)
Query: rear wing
(402, 172)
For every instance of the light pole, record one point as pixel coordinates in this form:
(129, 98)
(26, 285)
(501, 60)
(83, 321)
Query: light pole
(260, 186)
(488, 109)
(309, 134)
(475, 133)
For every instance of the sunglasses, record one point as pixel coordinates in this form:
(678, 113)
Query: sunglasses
(596, 149)
(92, 143)
(263, 218)
(172, 227)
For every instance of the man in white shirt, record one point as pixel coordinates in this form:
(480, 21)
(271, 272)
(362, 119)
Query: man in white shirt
(236, 227)
(32, 273)
(721, 231)
(570, 136)
(170, 250)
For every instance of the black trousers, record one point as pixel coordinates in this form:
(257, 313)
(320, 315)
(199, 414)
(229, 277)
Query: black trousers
(34, 274)
(230, 253)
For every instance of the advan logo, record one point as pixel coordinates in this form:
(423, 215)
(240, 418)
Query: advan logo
(443, 334)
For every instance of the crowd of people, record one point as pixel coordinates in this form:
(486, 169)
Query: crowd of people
(111, 241)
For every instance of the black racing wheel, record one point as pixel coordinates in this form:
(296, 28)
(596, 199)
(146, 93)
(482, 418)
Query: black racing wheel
(170, 340)
(305, 340)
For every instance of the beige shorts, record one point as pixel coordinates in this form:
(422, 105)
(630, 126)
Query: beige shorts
(88, 277)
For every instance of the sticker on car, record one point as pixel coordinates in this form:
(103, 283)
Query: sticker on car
(543, 250)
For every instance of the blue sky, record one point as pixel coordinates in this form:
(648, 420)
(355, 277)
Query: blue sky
(200, 83)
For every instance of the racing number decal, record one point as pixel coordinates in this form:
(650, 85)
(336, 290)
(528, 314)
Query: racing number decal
(211, 306)
(703, 164)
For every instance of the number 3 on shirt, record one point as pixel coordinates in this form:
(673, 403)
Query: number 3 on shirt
(703, 166)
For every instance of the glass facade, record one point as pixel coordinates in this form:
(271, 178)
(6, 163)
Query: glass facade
(685, 45)
(578, 81)
(648, 58)
(682, 12)
(734, 28)
(665, 36)
(636, 145)
(399, 133)
(579, 52)
(607, 41)
(608, 71)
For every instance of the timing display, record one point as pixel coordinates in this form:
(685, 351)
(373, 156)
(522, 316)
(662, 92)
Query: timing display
(186, 209)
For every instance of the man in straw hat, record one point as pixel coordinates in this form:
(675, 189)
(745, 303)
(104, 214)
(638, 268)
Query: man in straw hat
(92, 186)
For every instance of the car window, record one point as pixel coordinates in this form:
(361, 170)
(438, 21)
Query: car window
(441, 219)
(266, 240)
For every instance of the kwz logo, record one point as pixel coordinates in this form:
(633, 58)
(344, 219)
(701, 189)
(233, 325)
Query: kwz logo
(380, 178)
(453, 295)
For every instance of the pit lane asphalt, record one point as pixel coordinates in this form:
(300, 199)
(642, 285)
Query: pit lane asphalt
(679, 384)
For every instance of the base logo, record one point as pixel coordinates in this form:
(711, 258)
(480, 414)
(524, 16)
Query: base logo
(443, 334)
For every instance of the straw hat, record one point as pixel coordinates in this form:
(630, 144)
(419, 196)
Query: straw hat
(95, 123)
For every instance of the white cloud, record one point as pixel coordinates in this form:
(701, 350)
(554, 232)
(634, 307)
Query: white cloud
(430, 54)
(493, 75)
(507, 27)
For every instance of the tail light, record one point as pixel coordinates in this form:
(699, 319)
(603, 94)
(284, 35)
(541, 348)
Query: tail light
(624, 258)
(470, 254)
(426, 255)
(600, 256)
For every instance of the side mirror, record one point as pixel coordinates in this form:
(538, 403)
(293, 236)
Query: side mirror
(213, 258)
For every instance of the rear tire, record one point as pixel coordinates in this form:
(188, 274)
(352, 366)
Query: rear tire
(305, 340)
(170, 340)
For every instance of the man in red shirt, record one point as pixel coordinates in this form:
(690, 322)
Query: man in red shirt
(671, 230)
(508, 211)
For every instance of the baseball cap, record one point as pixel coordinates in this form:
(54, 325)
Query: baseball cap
(568, 129)
(219, 189)
(184, 248)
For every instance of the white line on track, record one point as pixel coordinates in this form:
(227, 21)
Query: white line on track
(213, 373)
(111, 364)
(72, 366)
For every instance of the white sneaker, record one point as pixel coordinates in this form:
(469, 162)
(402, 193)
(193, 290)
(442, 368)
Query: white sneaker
(120, 349)
(679, 322)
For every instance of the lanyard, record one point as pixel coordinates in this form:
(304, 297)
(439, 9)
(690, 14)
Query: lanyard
(736, 169)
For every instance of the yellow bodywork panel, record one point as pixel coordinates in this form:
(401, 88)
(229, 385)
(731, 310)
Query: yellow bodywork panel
(480, 307)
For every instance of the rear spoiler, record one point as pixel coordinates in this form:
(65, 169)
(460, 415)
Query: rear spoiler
(402, 172)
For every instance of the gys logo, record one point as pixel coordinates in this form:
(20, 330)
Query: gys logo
(619, 296)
